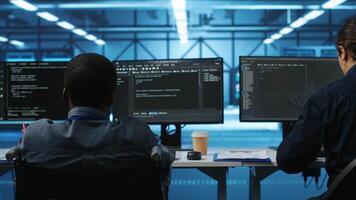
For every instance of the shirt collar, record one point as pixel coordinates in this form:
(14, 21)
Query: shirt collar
(87, 113)
(352, 70)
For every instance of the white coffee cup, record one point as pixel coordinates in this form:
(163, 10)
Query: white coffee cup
(200, 141)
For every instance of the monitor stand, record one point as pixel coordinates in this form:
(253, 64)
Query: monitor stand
(287, 127)
(172, 140)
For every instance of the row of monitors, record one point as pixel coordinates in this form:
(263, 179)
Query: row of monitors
(174, 91)
(157, 91)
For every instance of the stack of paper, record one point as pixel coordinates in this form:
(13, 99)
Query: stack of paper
(242, 155)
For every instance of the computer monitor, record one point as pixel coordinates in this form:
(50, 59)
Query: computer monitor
(170, 91)
(276, 88)
(32, 90)
(2, 91)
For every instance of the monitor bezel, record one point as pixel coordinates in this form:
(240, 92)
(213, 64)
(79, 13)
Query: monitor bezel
(241, 119)
(185, 122)
(26, 121)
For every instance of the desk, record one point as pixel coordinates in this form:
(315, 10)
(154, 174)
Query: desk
(215, 170)
(259, 171)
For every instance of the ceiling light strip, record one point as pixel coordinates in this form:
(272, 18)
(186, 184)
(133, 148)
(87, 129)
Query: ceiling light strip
(330, 4)
(180, 15)
(52, 18)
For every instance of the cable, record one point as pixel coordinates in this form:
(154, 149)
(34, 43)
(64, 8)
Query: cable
(170, 131)
(173, 130)
(167, 129)
(13, 178)
(311, 172)
(322, 183)
(307, 184)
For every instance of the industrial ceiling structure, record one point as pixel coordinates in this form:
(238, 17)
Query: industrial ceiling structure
(150, 29)
(100, 17)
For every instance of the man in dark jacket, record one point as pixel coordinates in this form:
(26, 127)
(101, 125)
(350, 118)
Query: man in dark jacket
(328, 119)
(87, 139)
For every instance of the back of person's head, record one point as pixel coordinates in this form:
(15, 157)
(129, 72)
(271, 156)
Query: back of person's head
(347, 38)
(89, 80)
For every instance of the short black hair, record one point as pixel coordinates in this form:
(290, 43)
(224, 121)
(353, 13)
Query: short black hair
(347, 37)
(89, 78)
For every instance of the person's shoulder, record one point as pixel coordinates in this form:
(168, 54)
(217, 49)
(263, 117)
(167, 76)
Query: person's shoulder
(333, 90)
(40, 123)
(133, 125)
(132, 121)
(37, 130)
(39, 126)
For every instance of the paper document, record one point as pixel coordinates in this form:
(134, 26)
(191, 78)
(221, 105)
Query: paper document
(242, 155)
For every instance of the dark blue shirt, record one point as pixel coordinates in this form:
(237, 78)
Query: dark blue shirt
(89, 140)
(329, 120)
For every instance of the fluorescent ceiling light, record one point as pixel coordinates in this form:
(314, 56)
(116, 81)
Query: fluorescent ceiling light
(300, 22)
(268, 41)
(276, 36)
(181, 24)
(178, 4)
(180, 15)
(3, 39)
(17, 43)
(183, 37)
(100, 42)
(285, 31)
(332, 4)
(183, 31)
(313, 14)
(90, 37)
(24, 5)
(79, 32)
(268, 7)
(183, 40)
(47, 16)
(179, 11)
(65, 25)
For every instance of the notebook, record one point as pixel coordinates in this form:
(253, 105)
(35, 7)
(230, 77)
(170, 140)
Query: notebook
(243, 155)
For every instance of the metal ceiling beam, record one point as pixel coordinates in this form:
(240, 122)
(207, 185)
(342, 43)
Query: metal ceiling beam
(196, 4)
(194, 29)
(164, 29)
(161, 39)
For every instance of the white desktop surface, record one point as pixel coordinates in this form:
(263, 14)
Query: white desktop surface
(3, 152)
(206, 161)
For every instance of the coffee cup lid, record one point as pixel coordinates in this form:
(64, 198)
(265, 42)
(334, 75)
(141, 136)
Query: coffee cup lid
(199, 134)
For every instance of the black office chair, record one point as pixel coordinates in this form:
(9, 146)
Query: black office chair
(344, 185)
(141, 181)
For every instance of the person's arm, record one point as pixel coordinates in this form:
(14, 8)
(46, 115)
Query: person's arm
(15, 151)
(151, 144)
(301, 147)
(159, 152)
(18, 148)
